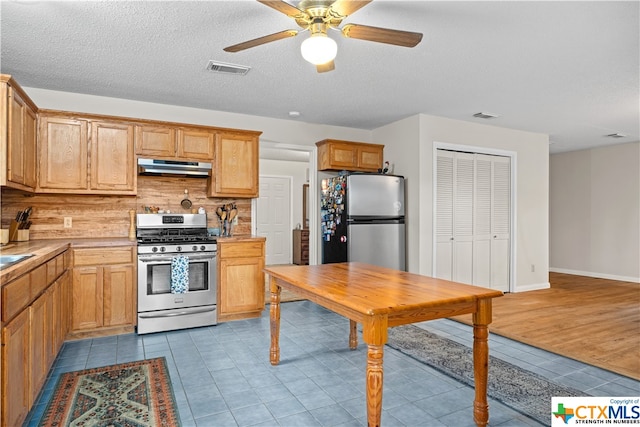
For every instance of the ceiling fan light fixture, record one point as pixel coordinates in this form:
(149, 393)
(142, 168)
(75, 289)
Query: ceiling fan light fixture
(319, 49)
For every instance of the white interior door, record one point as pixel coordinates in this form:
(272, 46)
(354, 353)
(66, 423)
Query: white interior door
(274, 218)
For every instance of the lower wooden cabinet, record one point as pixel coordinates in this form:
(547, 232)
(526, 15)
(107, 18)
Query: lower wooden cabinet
(240, 279)
(32, 338)
(16, 359)
(103, 291)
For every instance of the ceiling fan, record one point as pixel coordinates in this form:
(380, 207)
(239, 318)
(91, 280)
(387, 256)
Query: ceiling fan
(318, 16)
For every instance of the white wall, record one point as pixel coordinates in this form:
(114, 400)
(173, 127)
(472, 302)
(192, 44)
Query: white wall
(595, 212)
(412, 140)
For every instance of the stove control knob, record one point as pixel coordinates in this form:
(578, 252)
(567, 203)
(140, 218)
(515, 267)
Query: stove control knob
(179, 248)
(154, 249)
(194, 248)
(162, 249)
(202, 248)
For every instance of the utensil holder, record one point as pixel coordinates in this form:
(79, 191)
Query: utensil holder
(225, 228)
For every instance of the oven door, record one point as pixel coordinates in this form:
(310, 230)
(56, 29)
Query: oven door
(154, 288)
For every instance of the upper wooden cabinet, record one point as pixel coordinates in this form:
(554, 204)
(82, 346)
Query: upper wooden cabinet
(171, 142)
(334, 154)
(235, 169)
(112, 160)
(80, 155)
(18, 136)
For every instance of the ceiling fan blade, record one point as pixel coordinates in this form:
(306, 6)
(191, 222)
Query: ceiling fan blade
(284, 7)
(261, 40)
(347, 7)
(382, 35)
(323, 68)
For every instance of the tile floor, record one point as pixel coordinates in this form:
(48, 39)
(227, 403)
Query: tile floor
(222, 377)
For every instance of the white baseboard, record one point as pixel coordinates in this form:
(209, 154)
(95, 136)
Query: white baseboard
(598, 275)
(532, 287)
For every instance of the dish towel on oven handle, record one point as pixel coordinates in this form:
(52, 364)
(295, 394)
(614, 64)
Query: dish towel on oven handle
(179, 274)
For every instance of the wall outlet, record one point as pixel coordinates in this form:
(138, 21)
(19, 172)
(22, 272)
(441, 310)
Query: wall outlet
(533, 268)
(68, 222)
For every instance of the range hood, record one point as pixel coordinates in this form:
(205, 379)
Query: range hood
(174, 167)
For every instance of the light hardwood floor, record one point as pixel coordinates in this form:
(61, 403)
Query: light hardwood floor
(596, 321)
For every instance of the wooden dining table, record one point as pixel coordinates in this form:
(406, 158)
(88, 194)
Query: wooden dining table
(381, 298)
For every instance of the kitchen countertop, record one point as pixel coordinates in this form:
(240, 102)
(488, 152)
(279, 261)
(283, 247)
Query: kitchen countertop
(241, 238)
(44, 250)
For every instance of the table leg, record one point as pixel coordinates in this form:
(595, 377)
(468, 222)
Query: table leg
(353, 335)
(274, 313)
(481, 320)
(374, 333)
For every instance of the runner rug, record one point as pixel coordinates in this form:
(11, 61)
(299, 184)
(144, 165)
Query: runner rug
(128, 394)
(521, 390)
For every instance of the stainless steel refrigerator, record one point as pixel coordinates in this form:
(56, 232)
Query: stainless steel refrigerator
(362, 219)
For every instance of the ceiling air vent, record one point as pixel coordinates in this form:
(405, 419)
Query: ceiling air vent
(485, 115)
(223, 67)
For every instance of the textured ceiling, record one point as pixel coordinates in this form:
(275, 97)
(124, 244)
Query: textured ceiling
(567, 69)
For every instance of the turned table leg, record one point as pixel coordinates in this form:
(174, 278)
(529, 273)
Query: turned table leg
(274, 314)
(353, 335)
(374, 333)
(481, 320)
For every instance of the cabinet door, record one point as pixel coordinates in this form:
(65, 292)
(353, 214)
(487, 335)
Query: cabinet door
(370, 158)
(195, 144)
(119, 301)
(112, 157)
(236, 166)
(15, 370)
(87, 297)
(63, 154)
(15, 152)
(343, 156)
(243, 289)
(64, 308)
(29, 147)
(155, 141)
(40, 329)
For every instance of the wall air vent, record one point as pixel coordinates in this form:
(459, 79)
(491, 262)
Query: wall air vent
(485, 115)
(225, 68)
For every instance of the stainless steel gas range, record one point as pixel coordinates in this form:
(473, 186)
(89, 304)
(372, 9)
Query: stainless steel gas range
(166, 241)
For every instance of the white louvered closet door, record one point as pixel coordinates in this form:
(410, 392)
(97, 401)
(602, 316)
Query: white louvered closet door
(463, 218)
(473, 218)
(482, 222)
(500, 223)
(444, 215)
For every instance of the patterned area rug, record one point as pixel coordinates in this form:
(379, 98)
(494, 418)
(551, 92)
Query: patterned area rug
(521, 390)
(135, 394)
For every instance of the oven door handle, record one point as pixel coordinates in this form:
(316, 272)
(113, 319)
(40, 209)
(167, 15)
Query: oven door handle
(155, 258)
(175, 313)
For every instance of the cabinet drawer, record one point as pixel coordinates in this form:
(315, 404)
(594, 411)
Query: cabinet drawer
(102, 256)
(241, 250)
(52, 270)
(39, 280)
(15, 297)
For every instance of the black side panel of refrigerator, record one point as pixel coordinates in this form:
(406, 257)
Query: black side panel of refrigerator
(333, 220)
